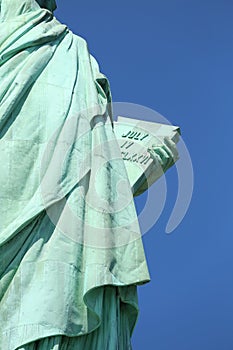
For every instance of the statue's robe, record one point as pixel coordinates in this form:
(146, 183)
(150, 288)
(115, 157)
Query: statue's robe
(71, 253)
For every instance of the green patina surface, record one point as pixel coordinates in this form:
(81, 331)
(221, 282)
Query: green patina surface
(67, 231)
(71, 254)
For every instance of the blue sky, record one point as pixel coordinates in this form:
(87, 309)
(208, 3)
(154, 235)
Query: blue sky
(176, 57)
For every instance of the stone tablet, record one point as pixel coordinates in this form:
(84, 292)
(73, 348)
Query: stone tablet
(148, 150)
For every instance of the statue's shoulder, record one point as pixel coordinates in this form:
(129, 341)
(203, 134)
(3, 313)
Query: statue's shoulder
(84, 53)
(80, 42)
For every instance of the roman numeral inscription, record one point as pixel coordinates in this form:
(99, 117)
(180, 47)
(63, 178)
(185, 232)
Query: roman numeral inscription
(134, 152)
(135, 157)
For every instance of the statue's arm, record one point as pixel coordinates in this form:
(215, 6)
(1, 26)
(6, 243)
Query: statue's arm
(164, 155)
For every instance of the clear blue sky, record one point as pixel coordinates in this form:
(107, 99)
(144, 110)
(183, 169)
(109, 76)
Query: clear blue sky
(176, 57)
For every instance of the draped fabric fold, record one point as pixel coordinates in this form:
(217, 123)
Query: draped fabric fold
(68, 226)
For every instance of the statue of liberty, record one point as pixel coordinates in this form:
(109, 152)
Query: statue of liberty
(70, 245)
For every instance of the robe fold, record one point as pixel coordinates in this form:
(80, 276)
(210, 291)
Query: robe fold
(71, 253)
